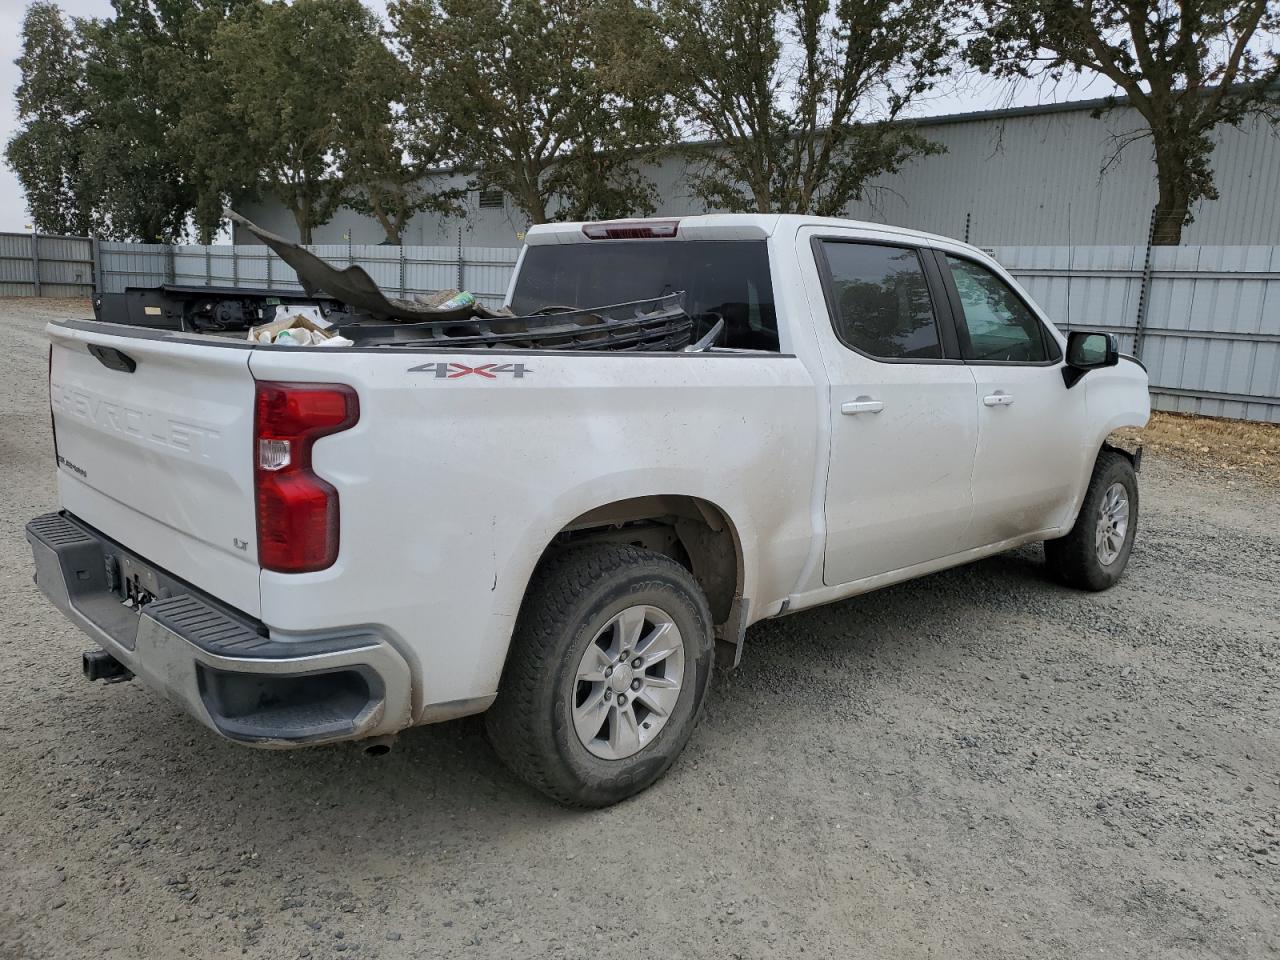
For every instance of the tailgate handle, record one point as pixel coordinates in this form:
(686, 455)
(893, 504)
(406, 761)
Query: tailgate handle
(113, 358)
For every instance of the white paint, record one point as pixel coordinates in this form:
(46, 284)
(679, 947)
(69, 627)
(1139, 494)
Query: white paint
(451, 488)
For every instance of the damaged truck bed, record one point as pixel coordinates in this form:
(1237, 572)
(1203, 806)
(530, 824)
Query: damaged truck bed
(346, 302)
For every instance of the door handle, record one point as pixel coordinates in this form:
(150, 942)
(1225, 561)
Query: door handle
(861, 405)
(998, 399)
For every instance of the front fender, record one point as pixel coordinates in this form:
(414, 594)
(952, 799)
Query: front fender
(1118, 396)
(1115, 397)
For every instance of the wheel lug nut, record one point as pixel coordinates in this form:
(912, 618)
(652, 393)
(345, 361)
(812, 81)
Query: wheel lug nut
(635, 684)
(608, 671)
(622, 700)
(637, 662)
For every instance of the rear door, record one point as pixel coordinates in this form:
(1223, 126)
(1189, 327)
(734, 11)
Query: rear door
(1030, 426)
(902, 418)
(154, 441)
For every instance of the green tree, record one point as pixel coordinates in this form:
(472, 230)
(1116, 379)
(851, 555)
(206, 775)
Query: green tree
(137, 185)
(199, 133)
(46, 152)
(291, 86)
(542, 108)
(388, 147)
(799, 96)
(102, 101)
(1186, 67)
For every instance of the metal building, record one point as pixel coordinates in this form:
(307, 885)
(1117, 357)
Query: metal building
(1023, 176)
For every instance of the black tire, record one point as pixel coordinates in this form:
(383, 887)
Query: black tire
(1074, 559)
(571, 597)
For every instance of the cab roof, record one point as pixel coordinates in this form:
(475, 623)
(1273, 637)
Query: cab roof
(718, 226)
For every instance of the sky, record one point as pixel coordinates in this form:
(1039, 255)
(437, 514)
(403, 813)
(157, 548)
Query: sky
(962, 94)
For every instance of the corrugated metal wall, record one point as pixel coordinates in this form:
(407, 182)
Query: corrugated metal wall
(132, 265)
(1053, 177)
(400, 271)
(1210, 327)
(36, 265)
(1043, 176)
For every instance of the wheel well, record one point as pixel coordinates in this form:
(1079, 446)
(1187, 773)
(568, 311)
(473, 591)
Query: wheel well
(693, 532)
(1134, 456)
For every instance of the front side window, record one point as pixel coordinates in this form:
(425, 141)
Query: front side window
(999, 325)
(879, 301)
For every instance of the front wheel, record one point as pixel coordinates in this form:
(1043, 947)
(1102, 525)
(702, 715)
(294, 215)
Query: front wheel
(1094, 554)
(607, 672)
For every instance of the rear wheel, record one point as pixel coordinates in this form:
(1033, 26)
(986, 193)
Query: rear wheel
(1094, 554)
(607, 672)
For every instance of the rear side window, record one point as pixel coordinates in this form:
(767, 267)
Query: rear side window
(998, 326)
(720, 278)
(879, 301)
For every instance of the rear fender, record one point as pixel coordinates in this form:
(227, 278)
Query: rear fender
(511, 578)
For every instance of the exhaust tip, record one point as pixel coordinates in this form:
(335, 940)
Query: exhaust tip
(377, 746)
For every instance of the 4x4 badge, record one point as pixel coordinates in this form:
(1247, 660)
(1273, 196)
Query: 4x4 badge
(489, 371)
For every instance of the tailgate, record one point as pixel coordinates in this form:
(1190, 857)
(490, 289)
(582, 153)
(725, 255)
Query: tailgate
(158, 457)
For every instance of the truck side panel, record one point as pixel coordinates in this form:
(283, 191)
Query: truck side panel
(464, 467)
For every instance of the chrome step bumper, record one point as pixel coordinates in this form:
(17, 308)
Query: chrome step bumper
(223, 667)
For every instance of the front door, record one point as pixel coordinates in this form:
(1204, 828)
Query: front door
(1030, 426)
(902, 417)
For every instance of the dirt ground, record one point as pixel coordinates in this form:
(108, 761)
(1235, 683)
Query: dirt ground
(980, 764)
(1220, 447)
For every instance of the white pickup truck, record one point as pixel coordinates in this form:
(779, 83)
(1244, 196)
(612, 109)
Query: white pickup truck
(310, 544)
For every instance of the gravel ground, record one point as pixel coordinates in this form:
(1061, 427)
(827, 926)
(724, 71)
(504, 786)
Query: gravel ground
(978, 764)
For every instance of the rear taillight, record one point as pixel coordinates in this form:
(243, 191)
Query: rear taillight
(297, 511)
(631, 229)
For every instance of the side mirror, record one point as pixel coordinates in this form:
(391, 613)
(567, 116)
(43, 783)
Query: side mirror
(1088, 351)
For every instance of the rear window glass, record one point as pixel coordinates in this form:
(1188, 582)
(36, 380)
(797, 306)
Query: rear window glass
(720, 278)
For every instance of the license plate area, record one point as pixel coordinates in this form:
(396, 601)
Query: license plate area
(107, 584)
(132, 582)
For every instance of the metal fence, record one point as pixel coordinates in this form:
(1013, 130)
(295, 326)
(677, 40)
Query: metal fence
(400, 271)
(1205, 320)
(39, 265)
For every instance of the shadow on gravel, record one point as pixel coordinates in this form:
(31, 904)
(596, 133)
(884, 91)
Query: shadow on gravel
(444, 778)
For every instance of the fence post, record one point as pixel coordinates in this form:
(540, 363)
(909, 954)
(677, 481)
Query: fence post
(208, 268)
(95, 245)
(401, 250)
(235, 265)
(268, 268)
(460, 281)
(170, 264)
(35, 263)
(1144, 290)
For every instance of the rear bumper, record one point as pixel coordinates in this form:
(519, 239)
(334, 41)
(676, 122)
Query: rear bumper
(223, 667)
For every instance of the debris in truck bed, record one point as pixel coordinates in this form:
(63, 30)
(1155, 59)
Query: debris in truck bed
(353, 286)
(209, 309)
(452, 299)
(457, 319)
(657, 324)
(299, 327)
